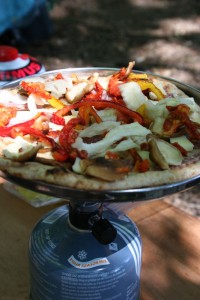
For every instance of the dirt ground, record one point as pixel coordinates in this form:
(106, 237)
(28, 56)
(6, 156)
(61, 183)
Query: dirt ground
(162, 36)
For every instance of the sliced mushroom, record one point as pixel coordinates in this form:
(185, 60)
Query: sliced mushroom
(171, 154)
(156, 156)
(78, 91)
(163, 153)
(109, 170)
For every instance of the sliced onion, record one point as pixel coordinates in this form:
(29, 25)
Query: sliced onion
(132, 95)
(33, 101)
(114, 135)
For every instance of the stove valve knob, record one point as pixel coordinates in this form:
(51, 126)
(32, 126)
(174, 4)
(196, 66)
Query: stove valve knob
(103, 230)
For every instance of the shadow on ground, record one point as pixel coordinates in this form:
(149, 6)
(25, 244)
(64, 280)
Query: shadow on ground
(161, 36)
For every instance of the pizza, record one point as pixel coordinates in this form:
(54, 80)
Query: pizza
(111, 130)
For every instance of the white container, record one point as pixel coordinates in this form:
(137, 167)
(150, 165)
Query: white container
(14, 65)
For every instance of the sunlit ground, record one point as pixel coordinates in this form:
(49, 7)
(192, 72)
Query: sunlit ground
(161, 36)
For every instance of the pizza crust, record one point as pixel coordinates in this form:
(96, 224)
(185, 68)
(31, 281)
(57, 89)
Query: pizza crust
(55, 175)
(167, 87)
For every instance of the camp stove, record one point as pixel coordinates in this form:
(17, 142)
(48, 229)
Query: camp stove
(82, 251)
(85, 249)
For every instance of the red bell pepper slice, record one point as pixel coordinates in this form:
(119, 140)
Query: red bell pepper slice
(56, 119)
(37, 88)
(101, 104)
(179, 117)
(180, 148)
(7, 131)
(115, 79)
(33, 132)
(192, 130)
(140, 165)
(6, 113)
(86, 111)
(58, 76)
(68, 134)
(60, 154)
(97, 95)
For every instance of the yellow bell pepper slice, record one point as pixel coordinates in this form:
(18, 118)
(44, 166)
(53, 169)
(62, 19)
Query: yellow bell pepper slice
(141, 109)
(147, 85)
(136, 76)
(56, 103)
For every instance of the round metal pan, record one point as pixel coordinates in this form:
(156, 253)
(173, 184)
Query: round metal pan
(126, 195)
(138, 194)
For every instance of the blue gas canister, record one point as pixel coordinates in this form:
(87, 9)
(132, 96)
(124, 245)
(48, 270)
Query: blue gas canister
(77, 252)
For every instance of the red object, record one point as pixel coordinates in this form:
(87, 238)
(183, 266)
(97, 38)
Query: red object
(113, 85)
(57, 119)
(14, 65)
(8, 53)
(60, 154)
(101, 104)
(68, 134)
(97, 95)
(180, 148)
(37, 88)
(86, 111)
(7, 131)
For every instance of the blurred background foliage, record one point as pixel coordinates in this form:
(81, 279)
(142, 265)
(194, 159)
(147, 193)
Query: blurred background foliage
(162, 36)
